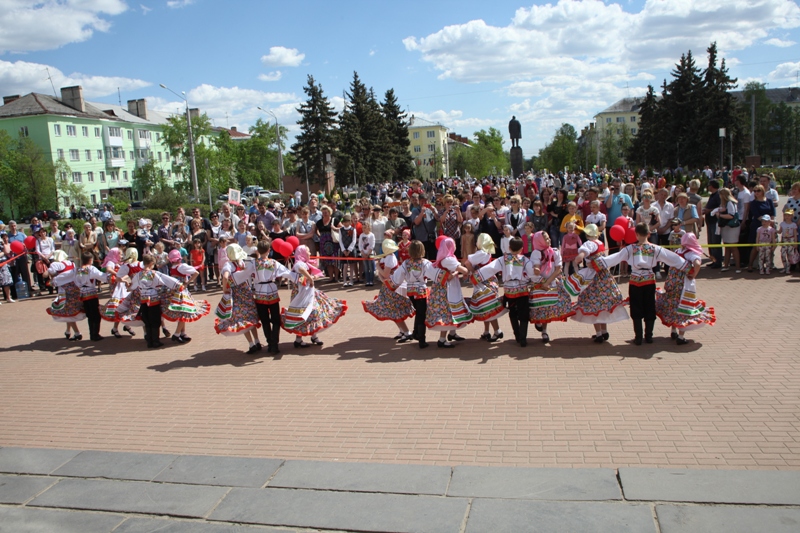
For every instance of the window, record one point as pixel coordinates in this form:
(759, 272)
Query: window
(608, 120)
(63, 176)
(159, 156)
(619, 131)
(57, 130)
(431, 134)
(417, 148)
(431, 147)
(102, 177)
(633, 131)
(90, 177)
(135, 195)
(114, 175)
(125, 175)
(88, 155)
(85, 131)
(117, 153)
(60, 153)
(114, 132)
(71, 131)
(99, 155)
(76, 177)
(620, 119)
(633, 118)
(94, 198)
(74, 155)
(131, 154)
(23, 131)
(416, 135)
(169, 173)
(144, 134)
(97, 132)
(158, 136)
(130, 135)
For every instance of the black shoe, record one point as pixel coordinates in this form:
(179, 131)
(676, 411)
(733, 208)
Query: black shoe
(545, 338)
(673, 335)
(301, 344)
(399, 336)
(128, 330)
(404, 339)
(637, 341)
(648, 340)
(116, 333)
(523, 343)
(77, 337)
(316, 342)
(496, 337)
(455, 337)
(157, 344)
(96, 338)
(178, 339)
(165, 331)
(598, 339)
(423, 344)
(443, 344)
(485, 337)
(605, 335)
(681, 342)
(253, 349)
(185, 337)
(66, 334)
(538, 327)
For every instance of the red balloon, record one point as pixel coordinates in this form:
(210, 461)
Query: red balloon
(621, 221)
(617, 233)
(286, 249)
(276, 243)
(439, 240)
(17, 247)
(30, 242)
(294, 241)
(630, 236)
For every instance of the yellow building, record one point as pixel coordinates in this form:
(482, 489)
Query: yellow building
(428, 148)
(620, 121)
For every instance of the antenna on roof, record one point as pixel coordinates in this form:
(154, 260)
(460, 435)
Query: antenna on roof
(628, 89)
(227, 124)
(119, 95)
(49, 77)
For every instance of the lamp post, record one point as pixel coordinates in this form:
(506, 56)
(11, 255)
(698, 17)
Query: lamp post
(721, 147)
(182, 96)
(280, 149)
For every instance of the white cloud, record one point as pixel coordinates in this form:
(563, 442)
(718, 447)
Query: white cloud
(272, 76)
(280, 56)
(177, 4)
(785, 71)
(145, 9)
(31, 25)
(521, 106)
(372, 53)
(22, 77)
(780, 43)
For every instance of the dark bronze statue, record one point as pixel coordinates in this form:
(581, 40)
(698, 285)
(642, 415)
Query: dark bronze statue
(514, 131)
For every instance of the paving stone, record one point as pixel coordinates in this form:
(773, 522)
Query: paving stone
(396, 513)
(131, 496)
(711, 486)
(116, 465)
(19, 489)
(516, 516)
(535, 483)
(29, 520)
(224, 471)
(363, 477)
(158, 525)
(33, 460)
(730, 519)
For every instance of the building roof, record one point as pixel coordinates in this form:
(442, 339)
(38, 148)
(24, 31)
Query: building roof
(626, 105)
(235, 134)
(786, 95)
(121, 113)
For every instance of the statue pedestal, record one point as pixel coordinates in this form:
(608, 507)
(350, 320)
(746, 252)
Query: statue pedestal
(517, 166)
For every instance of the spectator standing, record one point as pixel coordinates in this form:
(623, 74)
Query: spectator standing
(711, 224)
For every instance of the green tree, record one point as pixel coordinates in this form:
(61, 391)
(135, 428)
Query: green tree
(176, 136)
(401, 166)
(644, 147)
(257, 162)
(11, 188)
(317, 138)
(148, 178)
(609, 149)
(67, 188)
(562, 150)
(487, 154)
(37, 174)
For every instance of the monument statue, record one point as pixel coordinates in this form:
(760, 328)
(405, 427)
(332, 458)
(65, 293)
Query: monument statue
(514, 131)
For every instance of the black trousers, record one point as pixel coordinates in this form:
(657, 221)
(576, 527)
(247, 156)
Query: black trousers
(270, 317)
(421, 309)
(643, 301)
(92, 309)
(519, 313)
(151, 316)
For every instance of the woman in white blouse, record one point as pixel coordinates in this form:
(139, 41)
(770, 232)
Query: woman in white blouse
(45, 247)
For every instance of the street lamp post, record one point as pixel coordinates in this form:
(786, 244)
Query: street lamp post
(182, 96)
(280, 149)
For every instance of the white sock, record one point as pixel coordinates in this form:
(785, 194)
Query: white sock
(252, 344)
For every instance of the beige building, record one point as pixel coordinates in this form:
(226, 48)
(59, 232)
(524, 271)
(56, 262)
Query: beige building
(428, 148)
(619, 120)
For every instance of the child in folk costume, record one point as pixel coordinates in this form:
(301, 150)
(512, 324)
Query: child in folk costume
(178, 305)
(265, 291)
(67, 305)
(366, 244)
(310, 310)
(788, 231)
(347, 245)
(237, 312)
(677, 305)
(146, 293)
(600, 301)
(766, 234)
(127, 309)
(391, 302)
(86, 279)
(643, 258)
(412, 273)
(110, 265)
(549, 300)
(402, 246)
(485, 304)
(447, 310)
(570, 242)
(517, 272)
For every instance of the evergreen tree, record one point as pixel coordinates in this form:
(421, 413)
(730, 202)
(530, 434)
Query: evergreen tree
(644, 148)
(718, 109)
(351, 159)
(377, 139)
(681, 104)
(317, 137)
(402, 168)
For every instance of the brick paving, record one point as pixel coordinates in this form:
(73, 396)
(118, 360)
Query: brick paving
(729, 399)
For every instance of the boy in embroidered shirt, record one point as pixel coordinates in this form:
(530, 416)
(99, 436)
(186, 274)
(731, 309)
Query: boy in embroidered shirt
(366, 245)
(347, 244)
(412, 272)
(265, 292)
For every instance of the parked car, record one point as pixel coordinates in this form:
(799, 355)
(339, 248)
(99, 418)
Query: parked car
(46, 215)
(137, 206)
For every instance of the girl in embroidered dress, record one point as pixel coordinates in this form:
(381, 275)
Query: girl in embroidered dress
(677, 305)
(486, 305)
(179, 306)
(766, 234)
(265, 291)
(67, 306)
(127, 309)
(549, 300)
(788, 232)
(600, 301)
(412, 273)
(310, 310)
(237, 312)
(391, 302)
(447, 310)
(111, 265)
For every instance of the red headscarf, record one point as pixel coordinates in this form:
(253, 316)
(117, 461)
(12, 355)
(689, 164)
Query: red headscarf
(446, 249)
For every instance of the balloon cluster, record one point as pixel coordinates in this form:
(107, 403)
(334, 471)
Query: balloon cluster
(620, 232)
(286, 247)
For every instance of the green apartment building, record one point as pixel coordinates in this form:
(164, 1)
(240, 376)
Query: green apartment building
(103, 144)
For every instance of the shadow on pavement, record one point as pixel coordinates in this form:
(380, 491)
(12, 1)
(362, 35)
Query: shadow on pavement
(583, 348)
(86, 348)
(220, 357)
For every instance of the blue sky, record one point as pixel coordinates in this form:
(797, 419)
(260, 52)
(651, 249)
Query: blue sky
(466, 64)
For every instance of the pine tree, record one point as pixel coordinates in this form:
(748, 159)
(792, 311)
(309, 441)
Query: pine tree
(681, 105)
(719, 108)
(317, 136)
(402, 168)
(352, 154)
(644, 148)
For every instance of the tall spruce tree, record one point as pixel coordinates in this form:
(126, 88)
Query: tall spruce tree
(402, 168)
(681, 105)
(317, 136)
(719, 109)
(644, 149)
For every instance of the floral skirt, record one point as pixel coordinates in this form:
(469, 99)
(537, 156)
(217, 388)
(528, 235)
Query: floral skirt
(328, 248)
(179, 306)
(67, 307)
(601, 302)
(5, 277)
(326, 312)
(444, 315)
(127, 310)
(486, 303)
(109, 311)
(677, 305)
(236, 312)
(389, 305)
(552, 304)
